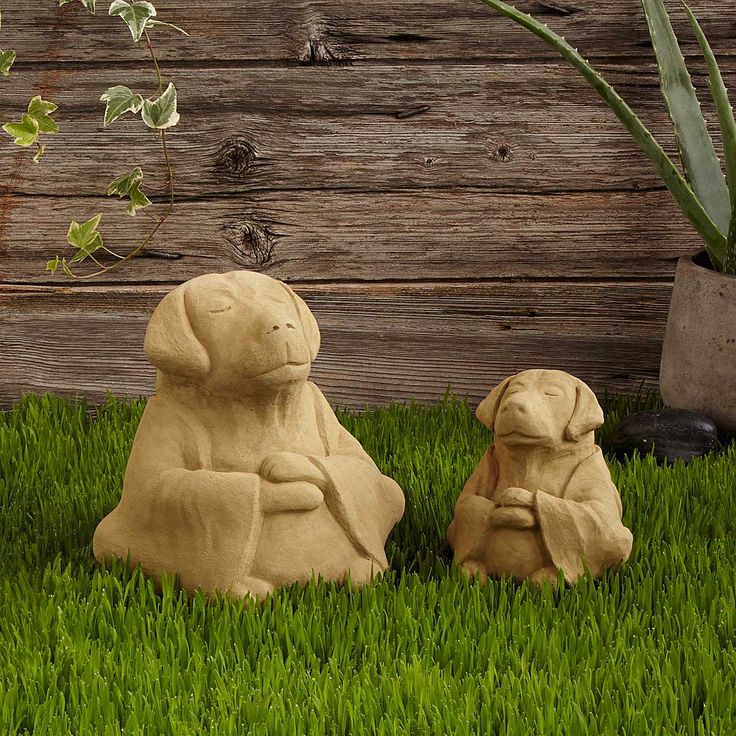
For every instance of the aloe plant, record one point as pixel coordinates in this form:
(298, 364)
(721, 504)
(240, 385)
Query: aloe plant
(706, 197)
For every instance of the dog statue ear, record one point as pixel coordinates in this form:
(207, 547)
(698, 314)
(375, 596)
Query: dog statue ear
(488, 408)
(587, 415)
(307, 320)
(170, 343)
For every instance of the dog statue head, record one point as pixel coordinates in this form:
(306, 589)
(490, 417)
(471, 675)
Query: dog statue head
(238, 332)
(541, 407)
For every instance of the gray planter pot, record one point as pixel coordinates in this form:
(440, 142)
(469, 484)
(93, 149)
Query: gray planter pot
(698, 368)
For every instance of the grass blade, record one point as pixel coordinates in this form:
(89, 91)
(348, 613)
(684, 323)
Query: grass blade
(674, 181)
(728, 132)
(702, 167)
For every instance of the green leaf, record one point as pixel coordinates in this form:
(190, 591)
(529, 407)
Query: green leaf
(25, 132)
(6, 61)
(53, 264)
(85, 237)
(40, 110)
(674, 181)
(129, 185)
(119, 100)
(136, 15)
(161, 113)
(699, 159)
(152, 23)
(89, 4)
(138, 200)
(719, 93)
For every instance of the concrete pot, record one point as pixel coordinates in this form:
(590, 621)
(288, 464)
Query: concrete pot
(698, 368)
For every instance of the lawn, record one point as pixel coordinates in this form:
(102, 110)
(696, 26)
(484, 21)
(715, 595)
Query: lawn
(650, 649)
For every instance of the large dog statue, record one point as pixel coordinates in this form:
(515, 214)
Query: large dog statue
(240, 478)
(541, 497)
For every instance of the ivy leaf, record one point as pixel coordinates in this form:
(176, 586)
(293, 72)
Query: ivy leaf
(136, 15)
(161, 113)
(89, 4)
(119, 100)
(6, 61)
(40, 110)
(150, 23)
(129, 184)
(25, 132)
(53, 264)
(85, 237)
(138, 200)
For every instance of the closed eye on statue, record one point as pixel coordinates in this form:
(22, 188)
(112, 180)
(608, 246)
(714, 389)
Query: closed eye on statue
(222, 309)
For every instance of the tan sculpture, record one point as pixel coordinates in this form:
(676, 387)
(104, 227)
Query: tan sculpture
(240, 478)
(541, 497)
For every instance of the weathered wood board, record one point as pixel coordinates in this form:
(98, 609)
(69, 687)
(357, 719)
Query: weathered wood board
(346, 236)
(370, 128)
(452, 200)
(379, 342)
(318, 31)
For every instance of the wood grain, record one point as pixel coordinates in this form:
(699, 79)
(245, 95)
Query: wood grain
(531, 128)
(347, 236)
(380, 343)
(332, 31)
(452, 199)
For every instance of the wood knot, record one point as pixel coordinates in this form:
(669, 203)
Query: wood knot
(235, 156)
(502, 153)
(251, 243)
(316, 51)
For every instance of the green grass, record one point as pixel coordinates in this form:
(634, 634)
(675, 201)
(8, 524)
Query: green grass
(647, 650)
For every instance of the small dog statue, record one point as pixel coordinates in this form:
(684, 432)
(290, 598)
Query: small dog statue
(240, 478)
(541, 497)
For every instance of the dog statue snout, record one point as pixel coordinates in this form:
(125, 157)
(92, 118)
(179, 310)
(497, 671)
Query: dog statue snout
(517, 405)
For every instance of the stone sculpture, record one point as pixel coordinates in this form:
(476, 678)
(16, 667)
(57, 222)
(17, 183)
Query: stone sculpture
(541, 497)
(240, 478)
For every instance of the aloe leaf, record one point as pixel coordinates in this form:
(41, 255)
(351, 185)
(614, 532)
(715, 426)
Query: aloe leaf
(728, 132)
(702, 167)
(673, 180)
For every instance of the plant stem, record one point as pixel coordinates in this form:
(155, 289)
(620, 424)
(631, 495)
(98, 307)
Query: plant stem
(155, 63)
(169, 184)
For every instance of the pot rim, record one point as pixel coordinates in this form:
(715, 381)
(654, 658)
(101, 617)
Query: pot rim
(688, 260)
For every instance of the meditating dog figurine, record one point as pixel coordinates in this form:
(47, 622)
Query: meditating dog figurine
(240, 478)
(541, 497)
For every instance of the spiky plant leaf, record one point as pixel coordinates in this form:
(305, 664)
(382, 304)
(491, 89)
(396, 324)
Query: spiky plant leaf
(714, 239)
(699, 159)
(728, 133)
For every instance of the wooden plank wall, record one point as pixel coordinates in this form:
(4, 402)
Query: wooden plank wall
(452, 200)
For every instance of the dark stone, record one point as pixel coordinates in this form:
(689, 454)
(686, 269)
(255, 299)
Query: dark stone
(670, 434)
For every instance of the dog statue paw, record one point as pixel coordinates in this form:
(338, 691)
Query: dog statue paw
(240, 478)
(541, 497)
